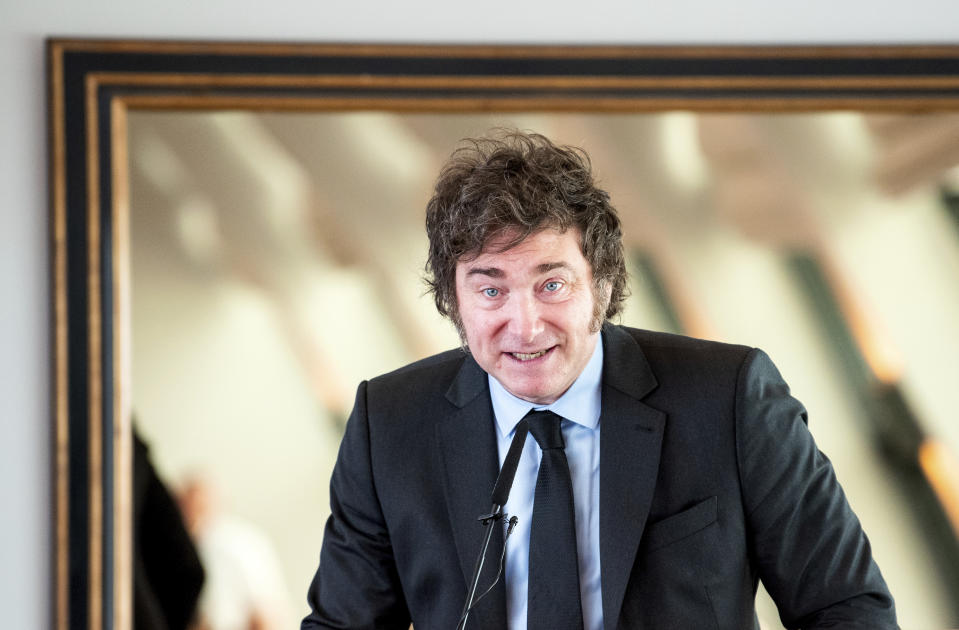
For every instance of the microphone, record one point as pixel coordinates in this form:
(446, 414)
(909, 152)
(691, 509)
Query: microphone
(504, 482)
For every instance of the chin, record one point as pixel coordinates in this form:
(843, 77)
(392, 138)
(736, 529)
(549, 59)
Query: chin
(537, 396)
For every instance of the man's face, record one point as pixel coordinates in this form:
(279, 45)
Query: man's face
(528, 313)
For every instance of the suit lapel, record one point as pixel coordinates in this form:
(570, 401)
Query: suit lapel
(466, 444)
(631, 435)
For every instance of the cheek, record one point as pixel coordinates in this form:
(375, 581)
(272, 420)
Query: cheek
(476, 328)
(586, 310)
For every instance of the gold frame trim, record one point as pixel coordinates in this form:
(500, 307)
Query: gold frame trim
(489, 51)
(505, 82)
(123, 371)
(556, 104)
(95, 367)
(61, 437)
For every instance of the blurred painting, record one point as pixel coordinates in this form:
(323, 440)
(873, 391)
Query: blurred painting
(277, 260)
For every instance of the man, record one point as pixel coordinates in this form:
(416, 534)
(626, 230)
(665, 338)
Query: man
(691, 472)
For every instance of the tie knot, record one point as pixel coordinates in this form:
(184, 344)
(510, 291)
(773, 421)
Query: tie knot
(545, 428)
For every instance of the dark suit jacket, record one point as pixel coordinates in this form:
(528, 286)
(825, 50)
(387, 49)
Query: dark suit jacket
(709, 481)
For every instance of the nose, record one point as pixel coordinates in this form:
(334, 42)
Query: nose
(525, 318)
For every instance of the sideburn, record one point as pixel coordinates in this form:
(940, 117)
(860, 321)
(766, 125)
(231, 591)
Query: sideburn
(602, 293)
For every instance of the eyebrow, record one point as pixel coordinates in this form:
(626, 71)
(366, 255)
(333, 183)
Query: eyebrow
(547, 267)
(492, 272)
(495, 272)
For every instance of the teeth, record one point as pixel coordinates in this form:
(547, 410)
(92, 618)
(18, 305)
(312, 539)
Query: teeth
(526, 357)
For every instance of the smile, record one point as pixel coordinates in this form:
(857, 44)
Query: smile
(523, 356)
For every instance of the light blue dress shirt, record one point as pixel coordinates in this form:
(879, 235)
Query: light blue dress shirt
(580, 405)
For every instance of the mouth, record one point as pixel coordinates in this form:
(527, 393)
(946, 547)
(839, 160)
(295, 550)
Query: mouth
(529, 356)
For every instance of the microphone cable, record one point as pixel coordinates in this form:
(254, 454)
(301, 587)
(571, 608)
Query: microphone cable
(502, 561)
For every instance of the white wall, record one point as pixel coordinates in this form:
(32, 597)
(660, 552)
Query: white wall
(24, 315)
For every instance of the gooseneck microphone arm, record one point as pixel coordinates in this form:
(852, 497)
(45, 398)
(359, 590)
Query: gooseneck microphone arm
(500, 494)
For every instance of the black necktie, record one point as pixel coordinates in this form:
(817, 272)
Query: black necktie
(553, 591)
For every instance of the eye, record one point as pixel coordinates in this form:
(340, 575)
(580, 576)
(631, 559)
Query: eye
(490, 292)
(553, 285)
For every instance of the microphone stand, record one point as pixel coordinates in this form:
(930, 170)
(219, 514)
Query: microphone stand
(500, 493)
(495, 514)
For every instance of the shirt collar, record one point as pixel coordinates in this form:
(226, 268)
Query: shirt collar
(580, 404)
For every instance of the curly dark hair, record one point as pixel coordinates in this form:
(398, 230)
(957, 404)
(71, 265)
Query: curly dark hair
(515, 184)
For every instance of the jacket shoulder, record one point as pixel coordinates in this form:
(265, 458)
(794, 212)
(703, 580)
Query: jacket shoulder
(682, 368)
(657, 345)
(423, 380)
(429, 368)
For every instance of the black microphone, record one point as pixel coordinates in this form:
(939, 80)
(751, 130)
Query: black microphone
(504, 482)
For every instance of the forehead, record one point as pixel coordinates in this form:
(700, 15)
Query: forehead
(510, 238)
(542, 250)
